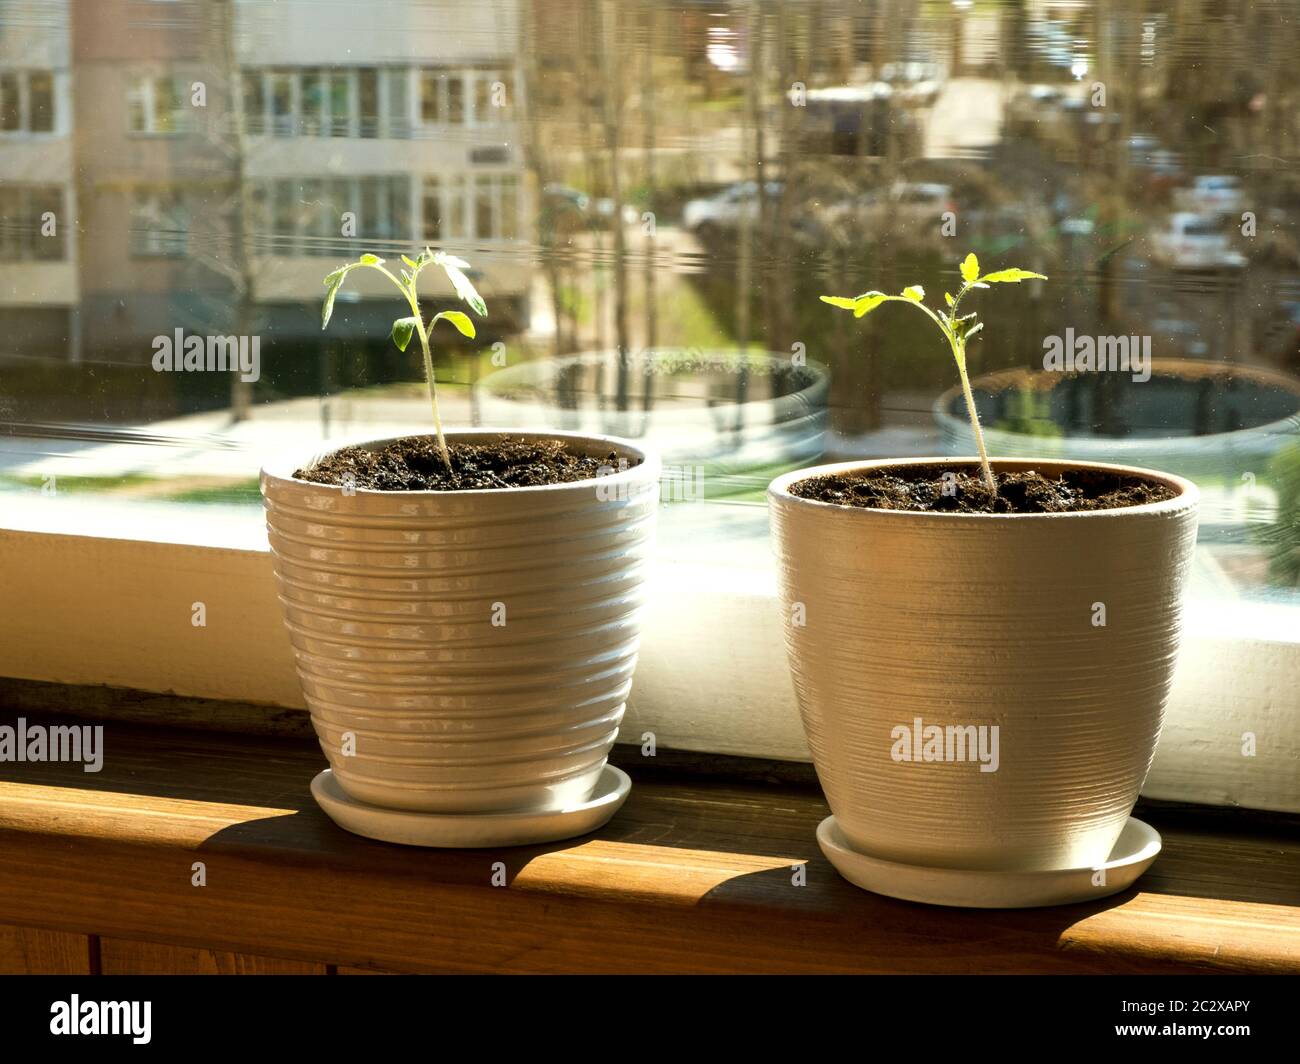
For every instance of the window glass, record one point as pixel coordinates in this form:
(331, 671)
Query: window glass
(398, 113)
(313, 101)
(455, 113)
(368, 97)
(160, 223)
(282, 119)
(40, 101)
(652, 197)
(340, 103)
(254, 102)
(431, 97)
(11, 104)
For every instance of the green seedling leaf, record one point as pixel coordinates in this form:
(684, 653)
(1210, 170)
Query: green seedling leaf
(404, 327)
(1012, 275)
(453, 266)
(463, 322)
(956, 329)
(868, 302)
(335, 282)
(402, 330)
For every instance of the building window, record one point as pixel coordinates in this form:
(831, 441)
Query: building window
(160, 223)
(32, 222)
(432, 210)
(254, 103)
(40, 101)
(496, 206)
(442, 97)
(340, 104)
(314, 103)
(305, 216)
(156, 105)
(493, 97)
(284, 121)
(370, 102)
(458, 207)
(455, 97)
(27, 101)
(397, 110)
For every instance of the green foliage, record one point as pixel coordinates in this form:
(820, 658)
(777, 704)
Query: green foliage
(1281, 536)
(957, 329)
(404, 327)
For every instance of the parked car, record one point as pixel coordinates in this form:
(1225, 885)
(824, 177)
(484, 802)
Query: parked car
(559, 201)
(1212, 194)
(1192, 241)
(727, 208)
(915, 82)
(912, 203)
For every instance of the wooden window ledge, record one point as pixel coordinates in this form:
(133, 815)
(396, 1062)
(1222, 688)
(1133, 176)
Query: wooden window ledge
(693, 875)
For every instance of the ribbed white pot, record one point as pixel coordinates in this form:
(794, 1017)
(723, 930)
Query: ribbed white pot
(900, 622)
(466, 651)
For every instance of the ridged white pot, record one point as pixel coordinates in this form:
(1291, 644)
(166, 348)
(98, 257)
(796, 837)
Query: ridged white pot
(466, 651)
(899, 622)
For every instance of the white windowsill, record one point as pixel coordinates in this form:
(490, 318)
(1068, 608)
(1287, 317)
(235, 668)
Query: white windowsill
(88, 601)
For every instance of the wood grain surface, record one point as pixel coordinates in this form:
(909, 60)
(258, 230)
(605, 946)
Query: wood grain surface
(691, 876)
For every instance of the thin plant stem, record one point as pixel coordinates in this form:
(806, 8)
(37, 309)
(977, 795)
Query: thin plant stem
(413, 299)
(433, 394)
(989, 482)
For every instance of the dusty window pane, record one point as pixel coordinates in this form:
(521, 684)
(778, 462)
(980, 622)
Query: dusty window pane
(11, 118)
(455, 99)
(46, 213)
(313, 98)
(282, 123)
(368, 96)
(340, 104)
(509, 209)
(40, 97)
(430, 97)
(398, 117)
(254, 102)
(432, 209)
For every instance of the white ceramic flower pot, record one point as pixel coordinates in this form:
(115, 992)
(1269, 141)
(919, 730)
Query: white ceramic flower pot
(970, 620)
(466, 651)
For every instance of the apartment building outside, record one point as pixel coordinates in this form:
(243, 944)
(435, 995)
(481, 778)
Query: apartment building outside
(39, 290)
(218, 157)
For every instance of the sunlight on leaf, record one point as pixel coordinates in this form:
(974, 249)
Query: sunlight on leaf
(463, 322)
(1004, 276)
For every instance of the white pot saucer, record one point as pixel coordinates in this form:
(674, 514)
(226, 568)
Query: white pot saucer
(471, 830)
(1138, 845)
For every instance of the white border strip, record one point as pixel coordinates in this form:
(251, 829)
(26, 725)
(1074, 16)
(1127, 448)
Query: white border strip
(712, 677)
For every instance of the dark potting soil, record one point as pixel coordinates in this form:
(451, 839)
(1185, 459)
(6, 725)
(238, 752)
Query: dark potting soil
(926, 489)
(413, 463)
